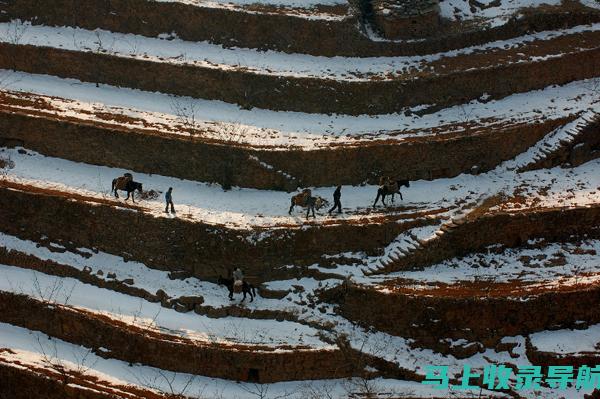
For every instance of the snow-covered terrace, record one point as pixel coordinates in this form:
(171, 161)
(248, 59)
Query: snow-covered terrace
(538, 266)
(281, 3)
(493, 14)
(243, 208)
(567, 341)
(216, 120)
(145, 278)
(553, 188)
(395, 349)
(321, 10)
(34, 349)
(237, 208)
(141, 313)
(171, 50)
(496, 13)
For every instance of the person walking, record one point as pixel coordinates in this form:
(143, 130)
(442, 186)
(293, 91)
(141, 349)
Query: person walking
(169, 200)
(337, 194)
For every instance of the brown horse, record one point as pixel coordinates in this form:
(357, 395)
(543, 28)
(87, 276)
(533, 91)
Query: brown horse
(126, 183)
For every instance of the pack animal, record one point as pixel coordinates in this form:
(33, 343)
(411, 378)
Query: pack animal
(389, 187)
(246, 288)
(306, 200)
(126, 183)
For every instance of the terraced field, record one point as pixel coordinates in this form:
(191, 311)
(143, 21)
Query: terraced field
(491, 109)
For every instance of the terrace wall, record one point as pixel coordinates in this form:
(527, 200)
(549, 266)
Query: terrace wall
(436, 156)
(481, 317)
(429, 318)
(20, 383)
(134, 345)
(232, 361)
(270, 29)
(509, 229)
(206, 251)
(310, 95)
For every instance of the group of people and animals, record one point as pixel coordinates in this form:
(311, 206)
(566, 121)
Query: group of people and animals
(126, 183)
(305, 199)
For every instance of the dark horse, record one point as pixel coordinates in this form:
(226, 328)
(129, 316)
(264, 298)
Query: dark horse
(390, 188)
(125, 184)
(246, 288)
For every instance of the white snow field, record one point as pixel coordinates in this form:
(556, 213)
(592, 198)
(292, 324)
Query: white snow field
(567, 341)
(139, 312)
(320, 10)
(550, 266)
(282, 3)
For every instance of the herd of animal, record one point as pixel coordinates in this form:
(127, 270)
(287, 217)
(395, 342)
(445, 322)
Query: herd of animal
(304, 199)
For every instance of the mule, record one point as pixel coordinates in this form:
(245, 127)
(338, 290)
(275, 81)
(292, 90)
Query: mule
(125, 183)
(390, 188)
(306, 200)
(246, 288)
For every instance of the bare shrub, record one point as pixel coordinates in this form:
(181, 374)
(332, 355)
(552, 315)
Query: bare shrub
(185, 111)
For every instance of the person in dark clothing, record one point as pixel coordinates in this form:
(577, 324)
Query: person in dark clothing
(337, 194)
(169, 200)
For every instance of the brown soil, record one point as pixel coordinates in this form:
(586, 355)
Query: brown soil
(482, 289)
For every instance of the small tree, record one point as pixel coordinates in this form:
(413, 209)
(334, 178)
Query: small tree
(185, 111)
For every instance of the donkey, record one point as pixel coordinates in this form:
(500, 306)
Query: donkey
(306, 200)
